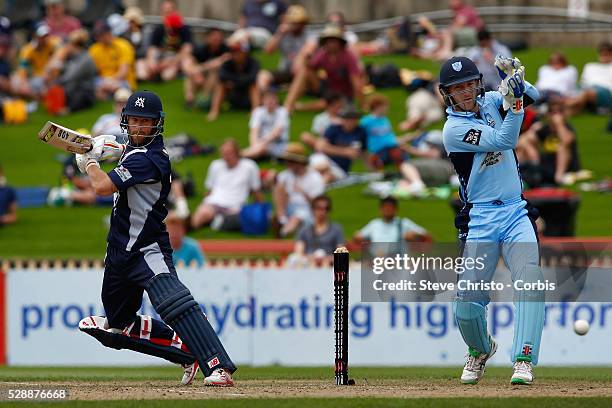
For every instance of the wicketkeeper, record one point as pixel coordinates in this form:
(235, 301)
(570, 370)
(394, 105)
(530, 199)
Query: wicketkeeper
(139, 255)
(480, 134)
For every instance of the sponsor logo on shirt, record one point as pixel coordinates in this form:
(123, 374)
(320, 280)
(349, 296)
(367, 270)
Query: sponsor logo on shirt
(123, 173)
(472, 137)
(491, 159)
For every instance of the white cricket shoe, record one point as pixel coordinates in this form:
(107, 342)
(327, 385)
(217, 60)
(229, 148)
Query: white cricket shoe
(523, 373)
(475, 364)
(219, 378)
(190, 371)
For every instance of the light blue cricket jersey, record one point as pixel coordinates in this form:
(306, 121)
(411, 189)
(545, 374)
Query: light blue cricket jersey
(481, 148)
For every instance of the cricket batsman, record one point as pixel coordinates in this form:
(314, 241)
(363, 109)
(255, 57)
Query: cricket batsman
(139, 255)
(480, 134)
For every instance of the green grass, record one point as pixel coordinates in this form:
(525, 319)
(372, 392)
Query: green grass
(548, 377)
(81, 232)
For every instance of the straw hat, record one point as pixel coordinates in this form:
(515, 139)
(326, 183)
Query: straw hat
(134, 14)
(295, 152)
(296, 14)
(331, 31)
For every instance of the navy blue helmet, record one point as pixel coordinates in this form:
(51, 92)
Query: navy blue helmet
(144, 104)
(457, 70)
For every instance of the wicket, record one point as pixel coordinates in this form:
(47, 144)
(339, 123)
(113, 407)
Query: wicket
(341, 315)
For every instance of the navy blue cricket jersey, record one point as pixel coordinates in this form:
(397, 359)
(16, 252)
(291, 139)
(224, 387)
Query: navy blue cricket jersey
(143, 179)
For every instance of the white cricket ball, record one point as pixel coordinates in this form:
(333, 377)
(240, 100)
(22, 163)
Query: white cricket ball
(581, 327)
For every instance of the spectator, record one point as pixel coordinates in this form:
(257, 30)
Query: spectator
(333, 104)
(185, 250)
(135, 33)
(269, 129)
(6, 54)
(395, 39)
(391, 228)
(595, 83)
(29, 80)
(237, 78)
(383, 145)
(229, 182)
(289, 39)
(8, 202)
(294, 191)
(430, 158)
(465, 24)
(77, 71)
(483, 56)
(557, 77)
(109, 123)
(170, 47)
(315, 243)
(259, 19)
(431, 43)
(423, 106)
(114, 59)
(337, 18)
(341, 68)
(60, 23)
(340, 145)
(548, 150)
(202, 72)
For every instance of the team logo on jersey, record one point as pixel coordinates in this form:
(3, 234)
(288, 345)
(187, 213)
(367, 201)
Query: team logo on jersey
(472, 137)
(491, 159)
(140, 102)
(123, 173)
(457, 66)
(489, 119)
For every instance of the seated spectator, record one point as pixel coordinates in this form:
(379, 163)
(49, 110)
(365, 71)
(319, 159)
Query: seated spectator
(135, 33)
(8, 202)
(6, 54)
(483, 56)
(237, 79)
(29, 80)
(339, 65)
(397, 39)
(339, 146)
(430, 158)
(391, 228)
(170, 47)
(424, 106)
(289, 39)
(383, 146)
(547, 151)
(333, 104)
(595, 84)
(295, 188)
(259, 19)
(114, 59)
(202, 68)
(77, 72)
(60, 23)
(109, 123)
(557, 78)
(316, 243)
(268, 129)
(186, 251)
(229, 182)
(431, 43)
(465, 24)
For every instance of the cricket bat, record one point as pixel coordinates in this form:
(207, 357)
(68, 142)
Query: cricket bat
(65, 139)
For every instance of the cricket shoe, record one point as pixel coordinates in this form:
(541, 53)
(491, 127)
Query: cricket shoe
(190, 371)
(523, 373)
(219, 378)
(475, 364)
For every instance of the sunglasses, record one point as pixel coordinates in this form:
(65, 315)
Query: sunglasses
(321, 207)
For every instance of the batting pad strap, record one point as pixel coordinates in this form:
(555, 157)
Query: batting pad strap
(175, 304)
(125, 340)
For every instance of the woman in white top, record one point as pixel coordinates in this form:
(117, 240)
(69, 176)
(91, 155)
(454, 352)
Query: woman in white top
(557, 77)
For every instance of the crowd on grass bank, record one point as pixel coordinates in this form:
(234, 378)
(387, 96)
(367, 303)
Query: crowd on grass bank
(64, 66)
